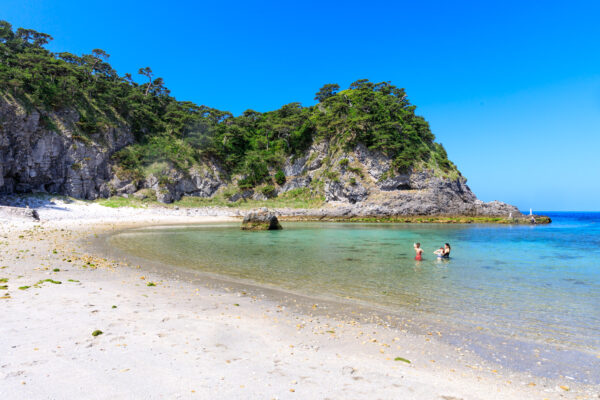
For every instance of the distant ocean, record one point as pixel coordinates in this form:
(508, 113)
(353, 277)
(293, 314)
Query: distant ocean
(534, 285)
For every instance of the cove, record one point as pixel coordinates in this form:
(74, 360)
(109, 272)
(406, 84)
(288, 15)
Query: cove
(538, 284)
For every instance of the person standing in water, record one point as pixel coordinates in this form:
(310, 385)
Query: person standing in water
(446, 253)
(443, 252)
(419, 251)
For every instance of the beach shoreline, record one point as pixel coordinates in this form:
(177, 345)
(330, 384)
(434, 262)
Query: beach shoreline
(188, 338)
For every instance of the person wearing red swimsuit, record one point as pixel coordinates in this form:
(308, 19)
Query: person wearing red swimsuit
(419, 252)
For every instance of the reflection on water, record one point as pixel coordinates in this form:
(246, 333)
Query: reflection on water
(541, 282)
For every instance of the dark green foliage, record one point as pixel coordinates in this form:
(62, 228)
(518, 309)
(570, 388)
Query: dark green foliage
(326, 91)
(268, 190)
(97, 332)
(182, 134)
(256, 170)
(280, 177)
(380, 116)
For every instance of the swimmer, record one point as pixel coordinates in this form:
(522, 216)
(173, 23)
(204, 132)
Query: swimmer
(419, 251)
(443, 252)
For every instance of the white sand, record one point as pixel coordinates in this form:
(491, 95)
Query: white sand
(183, 340)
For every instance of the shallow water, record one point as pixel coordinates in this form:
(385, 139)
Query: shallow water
(540, 283)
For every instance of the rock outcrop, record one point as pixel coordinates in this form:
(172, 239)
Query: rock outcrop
(41, 153)
(260, 221)
(45, 152)
(24, 212)
(362, 182)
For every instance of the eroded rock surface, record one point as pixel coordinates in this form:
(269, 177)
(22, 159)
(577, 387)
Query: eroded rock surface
(261, 221)
(42, 152)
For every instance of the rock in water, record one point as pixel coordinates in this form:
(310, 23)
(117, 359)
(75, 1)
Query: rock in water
(260, 221)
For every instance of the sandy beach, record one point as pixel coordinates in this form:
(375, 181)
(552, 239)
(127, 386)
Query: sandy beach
(162, 337)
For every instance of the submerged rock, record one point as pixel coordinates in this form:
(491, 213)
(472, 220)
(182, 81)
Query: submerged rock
(260, 221)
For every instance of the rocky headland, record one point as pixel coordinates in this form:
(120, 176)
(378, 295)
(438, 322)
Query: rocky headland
(71, 125)
(38, 157)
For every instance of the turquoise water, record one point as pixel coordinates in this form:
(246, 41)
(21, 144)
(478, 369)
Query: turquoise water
(538, 283)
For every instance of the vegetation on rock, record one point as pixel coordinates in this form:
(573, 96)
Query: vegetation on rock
(180, 134)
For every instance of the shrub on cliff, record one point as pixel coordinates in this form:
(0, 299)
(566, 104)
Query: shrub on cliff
(183, 134)
(280, 177)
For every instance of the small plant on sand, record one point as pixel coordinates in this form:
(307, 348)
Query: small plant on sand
(3, 287)
(402, 359)
(97, 332)
(73, 280)
(114, 307)
(24, 287)
(48, 280)
(3, 280)
(151, 284)
(56, 270)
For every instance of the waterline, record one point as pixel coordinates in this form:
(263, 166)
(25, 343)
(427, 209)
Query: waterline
(511, 283)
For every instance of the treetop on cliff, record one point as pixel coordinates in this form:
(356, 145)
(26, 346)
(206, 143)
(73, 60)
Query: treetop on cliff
(378, 115)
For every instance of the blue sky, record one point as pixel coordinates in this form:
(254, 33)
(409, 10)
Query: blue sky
(512, 89)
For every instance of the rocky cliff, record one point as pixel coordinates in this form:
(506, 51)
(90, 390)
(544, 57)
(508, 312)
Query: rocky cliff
(40, 152)
(44, 152)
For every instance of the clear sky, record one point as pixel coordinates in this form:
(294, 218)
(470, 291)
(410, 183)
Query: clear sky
(511, 88)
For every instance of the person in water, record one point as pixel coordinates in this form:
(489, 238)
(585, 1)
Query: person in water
(419, 251)
(446, 253)
(443, 252)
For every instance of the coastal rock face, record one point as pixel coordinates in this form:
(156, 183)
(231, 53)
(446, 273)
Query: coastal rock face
(260, 221)
(362, 182)
(35, 157)
(45, 152)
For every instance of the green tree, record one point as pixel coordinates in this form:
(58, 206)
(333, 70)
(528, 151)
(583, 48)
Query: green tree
(147, 72)
(182, 134)
(327, 91)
